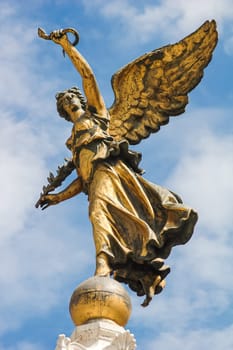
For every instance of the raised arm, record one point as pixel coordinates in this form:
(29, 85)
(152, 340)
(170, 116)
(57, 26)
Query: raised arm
(90, 86)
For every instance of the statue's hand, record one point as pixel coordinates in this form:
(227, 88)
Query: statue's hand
(59, 37)
(46, 200)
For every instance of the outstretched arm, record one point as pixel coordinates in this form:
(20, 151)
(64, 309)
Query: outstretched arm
(51, 199)
(90, 86)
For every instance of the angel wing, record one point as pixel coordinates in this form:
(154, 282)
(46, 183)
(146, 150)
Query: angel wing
(155, 86)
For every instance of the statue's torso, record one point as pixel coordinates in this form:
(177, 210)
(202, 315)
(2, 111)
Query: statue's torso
(87, 143)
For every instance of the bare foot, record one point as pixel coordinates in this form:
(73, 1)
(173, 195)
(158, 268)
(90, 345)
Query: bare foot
(151, 291)
(160, 287)
(102, 267)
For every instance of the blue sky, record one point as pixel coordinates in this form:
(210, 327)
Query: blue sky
(45, 255)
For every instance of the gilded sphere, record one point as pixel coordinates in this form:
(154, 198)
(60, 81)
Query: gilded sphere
(100, 297)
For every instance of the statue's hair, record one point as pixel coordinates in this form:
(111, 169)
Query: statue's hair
(75, 90)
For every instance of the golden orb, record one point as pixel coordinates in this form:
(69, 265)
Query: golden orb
(100, 297)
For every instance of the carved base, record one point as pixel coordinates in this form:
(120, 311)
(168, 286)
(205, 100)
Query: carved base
(100, 334)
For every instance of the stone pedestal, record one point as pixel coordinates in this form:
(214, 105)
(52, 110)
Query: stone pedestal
(97, 335)
(100, 308)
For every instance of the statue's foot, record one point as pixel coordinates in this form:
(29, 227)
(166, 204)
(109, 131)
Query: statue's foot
(160, 287)
(150, 290)
(102, 267)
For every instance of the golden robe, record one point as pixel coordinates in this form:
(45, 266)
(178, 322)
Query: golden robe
(134, 221)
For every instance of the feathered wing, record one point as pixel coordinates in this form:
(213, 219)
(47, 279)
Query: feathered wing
(155, 86)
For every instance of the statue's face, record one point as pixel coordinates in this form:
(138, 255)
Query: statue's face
(72, 104)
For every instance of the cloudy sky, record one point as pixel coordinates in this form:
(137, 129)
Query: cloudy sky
(46, 254)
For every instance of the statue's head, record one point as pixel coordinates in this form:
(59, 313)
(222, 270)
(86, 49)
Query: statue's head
(60, 101)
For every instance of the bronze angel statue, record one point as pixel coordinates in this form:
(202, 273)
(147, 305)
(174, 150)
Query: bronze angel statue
(135, 223)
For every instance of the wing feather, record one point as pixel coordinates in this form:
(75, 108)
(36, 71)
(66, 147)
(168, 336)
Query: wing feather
(156, 85)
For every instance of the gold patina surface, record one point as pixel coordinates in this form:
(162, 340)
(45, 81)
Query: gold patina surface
(135, 223)
(100, 297)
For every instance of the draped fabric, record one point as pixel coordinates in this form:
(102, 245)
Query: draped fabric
(135, 223)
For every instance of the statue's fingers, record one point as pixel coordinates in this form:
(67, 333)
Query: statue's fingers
(45, 206)
(57, 34)
(45, 203)
(41, 202)
(38, 203)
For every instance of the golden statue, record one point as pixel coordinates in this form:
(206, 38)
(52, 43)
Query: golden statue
(135, 223)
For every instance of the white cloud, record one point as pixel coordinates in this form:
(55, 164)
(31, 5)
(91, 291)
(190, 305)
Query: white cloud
(192, 340)
(23, 345)
(204, 175)
(35, 257)
(228, 45)
(16, 60)
(171, 19)
(36, 260)
(22, 166)
(191, 296)
(199, 290)
(39, 264)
